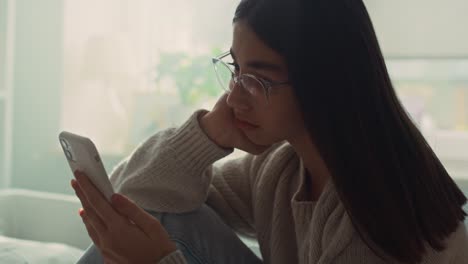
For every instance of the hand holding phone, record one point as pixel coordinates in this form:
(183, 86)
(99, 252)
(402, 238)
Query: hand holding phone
(82, 155)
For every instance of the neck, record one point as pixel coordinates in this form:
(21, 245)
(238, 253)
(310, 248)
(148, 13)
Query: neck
(316, 169)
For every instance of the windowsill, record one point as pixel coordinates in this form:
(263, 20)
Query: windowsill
(450, 146)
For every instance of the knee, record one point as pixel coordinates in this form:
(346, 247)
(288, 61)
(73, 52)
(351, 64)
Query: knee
(91, 256)
(194, 221)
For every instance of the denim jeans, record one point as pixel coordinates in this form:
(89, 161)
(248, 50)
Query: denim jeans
(200, 235)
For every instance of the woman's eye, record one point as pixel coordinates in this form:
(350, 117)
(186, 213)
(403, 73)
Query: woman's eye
(235, 65)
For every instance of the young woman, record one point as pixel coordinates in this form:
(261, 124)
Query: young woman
(337, 172)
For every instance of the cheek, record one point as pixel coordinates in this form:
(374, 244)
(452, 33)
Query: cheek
(271, 129)
(287, 122)
(280, 120)
(280, 124)
(287, 116)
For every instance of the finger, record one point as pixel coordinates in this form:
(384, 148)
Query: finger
(93, 219)
(85, 203)
(147, 223)
(93, 234)
(96, 199)
(79, 193)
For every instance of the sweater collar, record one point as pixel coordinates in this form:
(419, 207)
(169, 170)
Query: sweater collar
(330, 228)
(301, 187)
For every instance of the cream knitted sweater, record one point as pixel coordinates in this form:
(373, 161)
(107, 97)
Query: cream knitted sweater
(261, 195)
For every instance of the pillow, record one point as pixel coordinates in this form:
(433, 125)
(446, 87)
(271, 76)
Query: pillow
(15, 251)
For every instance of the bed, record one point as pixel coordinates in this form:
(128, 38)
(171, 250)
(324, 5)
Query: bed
(38, 227)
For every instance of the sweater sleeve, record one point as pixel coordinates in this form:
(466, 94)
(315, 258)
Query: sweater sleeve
(460, 239)
(173, 172)
(175, 257)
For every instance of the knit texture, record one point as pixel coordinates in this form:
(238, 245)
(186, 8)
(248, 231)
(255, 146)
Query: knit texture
(261, 196)
(175, 257)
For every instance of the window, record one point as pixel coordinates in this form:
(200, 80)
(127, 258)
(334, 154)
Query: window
(116, 71)
(6, 46)
(135, 67)
(435, 93)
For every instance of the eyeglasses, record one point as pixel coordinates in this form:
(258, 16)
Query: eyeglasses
(228, 78)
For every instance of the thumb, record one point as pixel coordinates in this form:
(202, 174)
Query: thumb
(133, 212)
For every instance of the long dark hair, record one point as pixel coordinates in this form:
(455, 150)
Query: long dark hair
(394, 188)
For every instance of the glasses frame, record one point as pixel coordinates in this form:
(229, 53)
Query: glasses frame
(266, 85)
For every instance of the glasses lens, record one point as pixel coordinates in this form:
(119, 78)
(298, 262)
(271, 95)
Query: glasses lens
(224, 74)
(253, 85)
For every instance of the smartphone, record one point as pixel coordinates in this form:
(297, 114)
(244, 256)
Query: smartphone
(82, 155)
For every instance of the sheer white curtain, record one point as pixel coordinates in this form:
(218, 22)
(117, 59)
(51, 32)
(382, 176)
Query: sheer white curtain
(112, 49)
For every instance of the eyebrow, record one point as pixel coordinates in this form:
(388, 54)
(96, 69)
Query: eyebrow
(261, 65)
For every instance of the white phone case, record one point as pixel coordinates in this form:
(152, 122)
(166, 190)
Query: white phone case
(82, 155)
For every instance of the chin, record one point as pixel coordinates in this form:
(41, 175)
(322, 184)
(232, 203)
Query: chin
(262, 139)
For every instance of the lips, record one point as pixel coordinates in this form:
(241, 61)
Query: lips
(244, 124)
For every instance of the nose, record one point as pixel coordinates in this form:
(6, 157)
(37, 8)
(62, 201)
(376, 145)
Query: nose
(238, 98)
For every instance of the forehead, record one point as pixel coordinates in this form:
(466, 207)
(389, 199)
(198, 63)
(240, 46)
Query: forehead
(247, 45)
